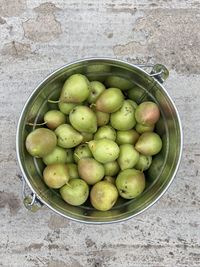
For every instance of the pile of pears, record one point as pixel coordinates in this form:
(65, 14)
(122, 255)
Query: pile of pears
(96, 144)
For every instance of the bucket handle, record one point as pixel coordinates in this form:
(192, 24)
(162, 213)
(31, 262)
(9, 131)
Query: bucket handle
(31, 201)
(159, 71)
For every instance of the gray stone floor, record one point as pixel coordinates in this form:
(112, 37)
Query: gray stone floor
(37, 37)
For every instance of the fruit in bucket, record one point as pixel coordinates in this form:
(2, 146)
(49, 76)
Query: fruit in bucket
(83, 119)
(90, 170)
(82, 151)
(124, 118)
(75, 192)
(105, 132)
(96, 88)
(58, 155)
(111, 168)
(141, 128)
(76, 89)
(143, 163)
(147, 113)
(104, 150)
(68, 137)
(130, 183)
(73, 170)
(40, 142)
(110, 100)
(127, 137)
(98, 143)
(102, 118)
(149, 144)
(103, 195)
(56, 175)
(128, 156)
(54, 118)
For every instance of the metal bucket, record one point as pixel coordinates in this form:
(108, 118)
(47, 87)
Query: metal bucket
(144, 86)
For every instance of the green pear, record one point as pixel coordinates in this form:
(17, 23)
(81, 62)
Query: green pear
(83, 119)
(127, 137)
(69, 153)
(102, 118)
(157, 167)
(75, 192)
(86, 137)
(136, 93)
(103, 195)
(143, 163)
(54, 118)
(105, 132)
(147, 113)
(140, 128)
(111, 168)
(133, 103)
(96, 88)
(76, 89)
(109, 179)
(130, 183)
(66, 107)
(149, 144)
(68, 137)
(40, 142)
(119, 82)
(128, 156)
(90, 170)
(82, 151)
(110, 100)
(73, 171)
(97, 71)
(124, 118)
(56, 175)
(104, 150)
(58, 155)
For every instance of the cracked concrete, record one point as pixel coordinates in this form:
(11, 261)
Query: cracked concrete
(16, 49)
(45, 27)
(10, 8)
(176, 46)
(2, 21)
(39, 36)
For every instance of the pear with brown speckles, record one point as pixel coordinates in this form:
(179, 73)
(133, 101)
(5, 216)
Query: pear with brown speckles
(128, 156)
(96, 88)
(68, 137)
(58, 155)
(54, 118)
(76, 89)
(124, 118)
(56, 175)
(103, 195)
(82, 151)
(90, 170)
(40, 142)
(104, 150)
(75, 192)
(110, 100)
(130, 183)
(83, 119)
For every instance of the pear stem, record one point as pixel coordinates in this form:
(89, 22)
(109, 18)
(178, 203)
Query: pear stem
(77, 156)
(53, 101)
(36, 124)
(68, 185)
(92, 105)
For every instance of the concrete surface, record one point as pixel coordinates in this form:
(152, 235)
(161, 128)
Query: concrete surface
(37, 37)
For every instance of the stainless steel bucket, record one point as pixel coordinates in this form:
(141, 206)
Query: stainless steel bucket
(144, 86)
